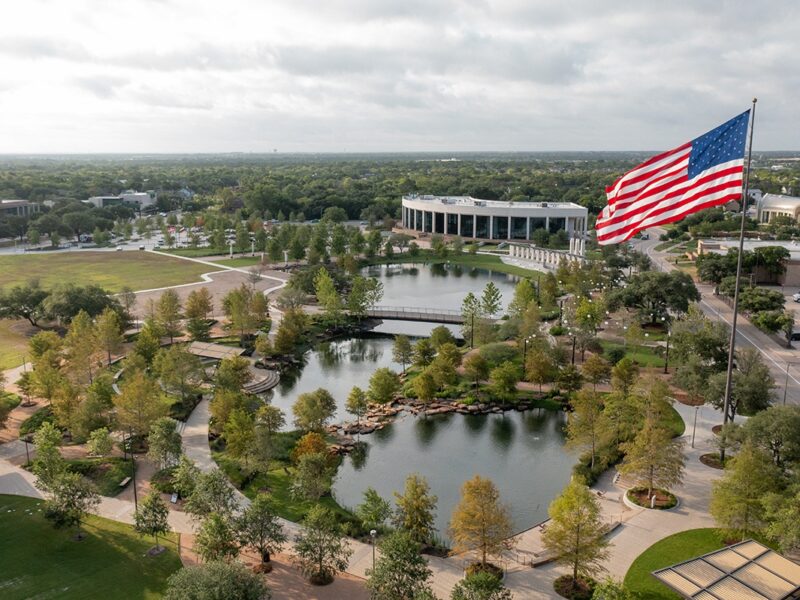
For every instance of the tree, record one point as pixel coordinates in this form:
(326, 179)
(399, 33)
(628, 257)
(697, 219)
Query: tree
(441, 335)
(24, 301)
(139, 403)
(357, 403)
(586, 426)
(424, 386)
(151, 518)
(624, 375)
(374, 510)
(247, 310)
(569, 378)
(575, 532)
(312, 476)
(164, 442)
(539, 368)
(504, 379)
(320, 548)
(216, 539)
(596, 370)
(260, 528)
(491, 299)
(653, 458)
(168, 313)
(524, 294)
(185, 477)
(233, 374)
(80, 347)
(148, 342)
(108, 332)
(480, 522)
(472, 313)
(752, 387)
(737, 498)
(476, 367)
(365, 293)
(71, 497)
(199, 305)
(240, 434)
(48, 464)
(424, 352)
(612, 590)
(776, 430)
(480, 586)
(697, 336)
(383, 385)
(402, 352)
(415, 509)
(327, 296)
(212, 493)
(783, 516)
(178, 369)
(313, 410)
(654, 294)
(449, 353)
(218, 580)
(400, 572)
(100, 442)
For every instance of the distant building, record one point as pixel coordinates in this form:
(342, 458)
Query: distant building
(139, 199)
(491, 219)
(792, 275)
(773, 205)
(18, 208)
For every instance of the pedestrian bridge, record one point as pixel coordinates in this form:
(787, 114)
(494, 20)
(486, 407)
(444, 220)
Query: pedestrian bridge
(412, 313)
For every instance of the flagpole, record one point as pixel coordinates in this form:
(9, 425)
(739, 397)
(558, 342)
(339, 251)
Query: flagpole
(732, 345)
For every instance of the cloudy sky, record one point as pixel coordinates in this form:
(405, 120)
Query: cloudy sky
(392, 75)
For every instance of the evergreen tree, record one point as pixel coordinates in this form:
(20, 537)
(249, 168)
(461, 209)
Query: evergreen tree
(400, 572)
(415, 509)
(151, 518)
(402, 351)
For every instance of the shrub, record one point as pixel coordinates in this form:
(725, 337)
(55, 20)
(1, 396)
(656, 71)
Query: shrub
(498, 353)
(162, 480)
(557, 330)
(605, 457)
(615, 354)
(36, 420)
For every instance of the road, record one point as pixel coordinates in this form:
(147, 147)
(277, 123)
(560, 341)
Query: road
(776, 356)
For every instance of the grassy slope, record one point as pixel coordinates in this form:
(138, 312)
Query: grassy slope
(111, 270)
(13, 344)
(37, 560)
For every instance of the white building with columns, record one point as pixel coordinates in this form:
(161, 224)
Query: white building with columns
(492, 219)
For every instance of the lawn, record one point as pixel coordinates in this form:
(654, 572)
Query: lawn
(240, 261)
(645, 356)
(13, 342)
(110, 270)
(39, 561)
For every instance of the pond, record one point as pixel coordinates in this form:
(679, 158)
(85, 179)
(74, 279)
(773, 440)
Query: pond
(523, 453)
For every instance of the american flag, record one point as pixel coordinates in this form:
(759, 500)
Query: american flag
(700, 174)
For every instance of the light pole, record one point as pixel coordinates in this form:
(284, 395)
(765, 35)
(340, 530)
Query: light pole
(373, 534)
(133, 471)
(666, 353)
(694, 427)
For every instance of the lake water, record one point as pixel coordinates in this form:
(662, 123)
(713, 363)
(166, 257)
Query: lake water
(523, 453)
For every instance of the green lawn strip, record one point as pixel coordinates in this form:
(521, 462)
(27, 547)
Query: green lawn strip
(676, 548)
(239, 262)
(110, 270)
(645, 356)
(478, 261)
(39, 561)
(13, 344)
(106, 473)
(674, 422)
(194, 252)
(278, 485)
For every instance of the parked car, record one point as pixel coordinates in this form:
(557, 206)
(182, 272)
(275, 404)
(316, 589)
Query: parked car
(141, 247)
(119, 248)
(796, 297)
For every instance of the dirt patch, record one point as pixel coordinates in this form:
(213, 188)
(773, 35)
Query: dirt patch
(716, 429)
(712, 460)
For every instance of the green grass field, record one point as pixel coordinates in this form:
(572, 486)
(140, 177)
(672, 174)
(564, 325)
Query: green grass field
(13, 343)
(645, 356)
(110, 270)
(239, 262)
(38, 561)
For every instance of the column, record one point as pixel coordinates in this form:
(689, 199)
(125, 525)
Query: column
(459, 224)
(528, 228)
(415, 219)
(433, 221)
(444, 222)
(491, 227)
(474, 226)
(547, 223)
(508, 233)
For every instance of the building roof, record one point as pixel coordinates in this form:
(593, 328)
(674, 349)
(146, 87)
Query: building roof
(470, 201)
(215, 351)
(745, 571)
(779, 202)
(11, 203)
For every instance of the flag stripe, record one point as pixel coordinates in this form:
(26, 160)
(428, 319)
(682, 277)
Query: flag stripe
(650, 166)
(728, 184)
(674, 192)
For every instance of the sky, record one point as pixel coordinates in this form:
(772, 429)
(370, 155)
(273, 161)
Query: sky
(153, 76)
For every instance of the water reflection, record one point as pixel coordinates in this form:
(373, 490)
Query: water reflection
(503, 433)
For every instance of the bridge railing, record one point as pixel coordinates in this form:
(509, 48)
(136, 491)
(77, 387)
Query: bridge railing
(413, 310)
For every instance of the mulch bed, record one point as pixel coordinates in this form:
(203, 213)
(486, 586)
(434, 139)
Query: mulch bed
(567, 587)
(712, 460)
(664, 499)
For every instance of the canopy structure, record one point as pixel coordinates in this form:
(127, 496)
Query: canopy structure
(745, 571)
(215, 351)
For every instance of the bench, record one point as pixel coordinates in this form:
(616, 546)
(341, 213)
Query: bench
(125, 482)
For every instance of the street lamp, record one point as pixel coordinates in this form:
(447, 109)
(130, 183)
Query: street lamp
(373, 533)
(694, 427)
(525, 348)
